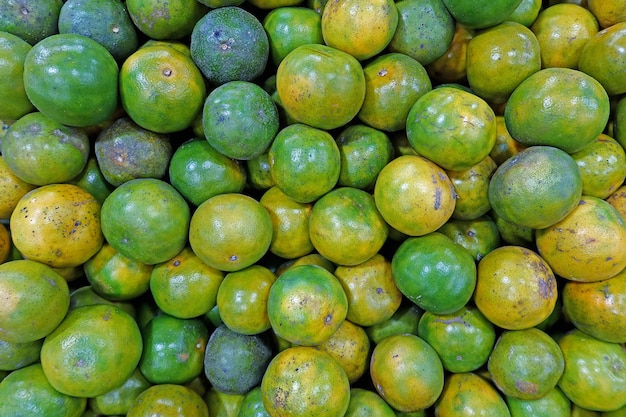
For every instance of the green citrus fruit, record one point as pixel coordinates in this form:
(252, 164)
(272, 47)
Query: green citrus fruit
(14, 103)
(481, 14)
(553, 404)
(18, 355)
(469, 392)
(602, 58)
(165, 19)
(92, 180)
(31, 21)
(168, 399)
(366, 402)
(479, 236)
(118, 400)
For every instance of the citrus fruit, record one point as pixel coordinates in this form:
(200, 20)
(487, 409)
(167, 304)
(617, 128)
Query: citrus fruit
(472, 189)
(350, 346)
(513, 233)
(85, 295)
(57, 224)
(553, 404)
(373, 296)
(37, 299)
(451, 67)
(161, 88)
(5, 243)
(168, 399)
(81, 94)
(305, 162)
(526, 364)
(500, 58)
(536, 188)
(184, 286)
(165, 19)
(221, 404)
(619, 122)
(27, 391)
(602, 166)
(125, 151)
(242, 299)
(595, 307)
(221, 3)
(240, 119)
(81, 357)
(92, 180)
(468, 392)
(173, 349)
(228, 44)
(414, 195)
(40, 150)
(451, 127)
(230, 232)
(608, 13)
(18, 355)
(258, 172)
(306, 305)
(15, 102)
(234, 363)
(366, 402)
(404, 320)
(602, 58)
(360, 29)
(463, 339)
(12, 189)
(479, 236)
(562, 31)
(406, 372)
(434, 272)
(505, 146)
(516, 288)
(542, 111)
(593, 366)
(588, 244)
(252, 404)
(118, 400)
(304, 381)
(273, 4)
(289, 27)
(393, 82)
(290, 224)
(116, 277)
(322, 78)
(618, 200)
(425, 30)
(30, 21)
(105, 21)
(345, 226)
(526, 12)
(481, 14)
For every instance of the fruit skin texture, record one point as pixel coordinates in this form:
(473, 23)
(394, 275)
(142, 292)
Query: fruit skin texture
(81, 94)
(470, 393)
(15, 102)
(602, 57)
(481, 14)
(168, 400)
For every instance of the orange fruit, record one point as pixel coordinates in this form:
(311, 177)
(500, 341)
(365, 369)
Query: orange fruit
(222, 404)
(69, 93)
(230, 232)
(234, 363)
(305, 162)
(536, 188)
(119, 400)
(554, 403)
(393, 82)
(30, 21)
(289, 27)
(306, 305)
(304, 381)
(468, 392)
(452, 65)
(602, 58)
(85, 295)
(160, 19)
(373, 296)
(242, 299)
(309, 259)
(526, 364)
(505, 146)
(168, 399)
(541, 111)
(463, 339)
(18, 355)
(326, 79)
(252, 404)
(362, 30)
(92, 180)
(27, 391)
(562, 31)
(406, 372)
(290, 224)
(527, 11)
(595, 307)
(146, 220)
(116, 277)
(594, 376)
(125, 151)
(414, 195)
(500, 58)
(425, 30)
(453, 128)
(81, 357)
(37, 299)
(173, 349)
(482, 14)
(472, 189)
(513, 233)
(588, 244)
(229, 43)
(350, 346)
(184, 286)
(609, 12)
(366, 402)
(479, 236)
(105, 21)
(57, 224)
(618, 200)
(161, 88)
(240, 119)
(516, 288)
(40, 150)
(14, 103)
(434, 272)
(258, 172)
(12, 189)
(345, 226)
(5, 243)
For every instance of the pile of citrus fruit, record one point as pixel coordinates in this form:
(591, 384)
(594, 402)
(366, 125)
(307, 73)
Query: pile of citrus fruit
(309, 208)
